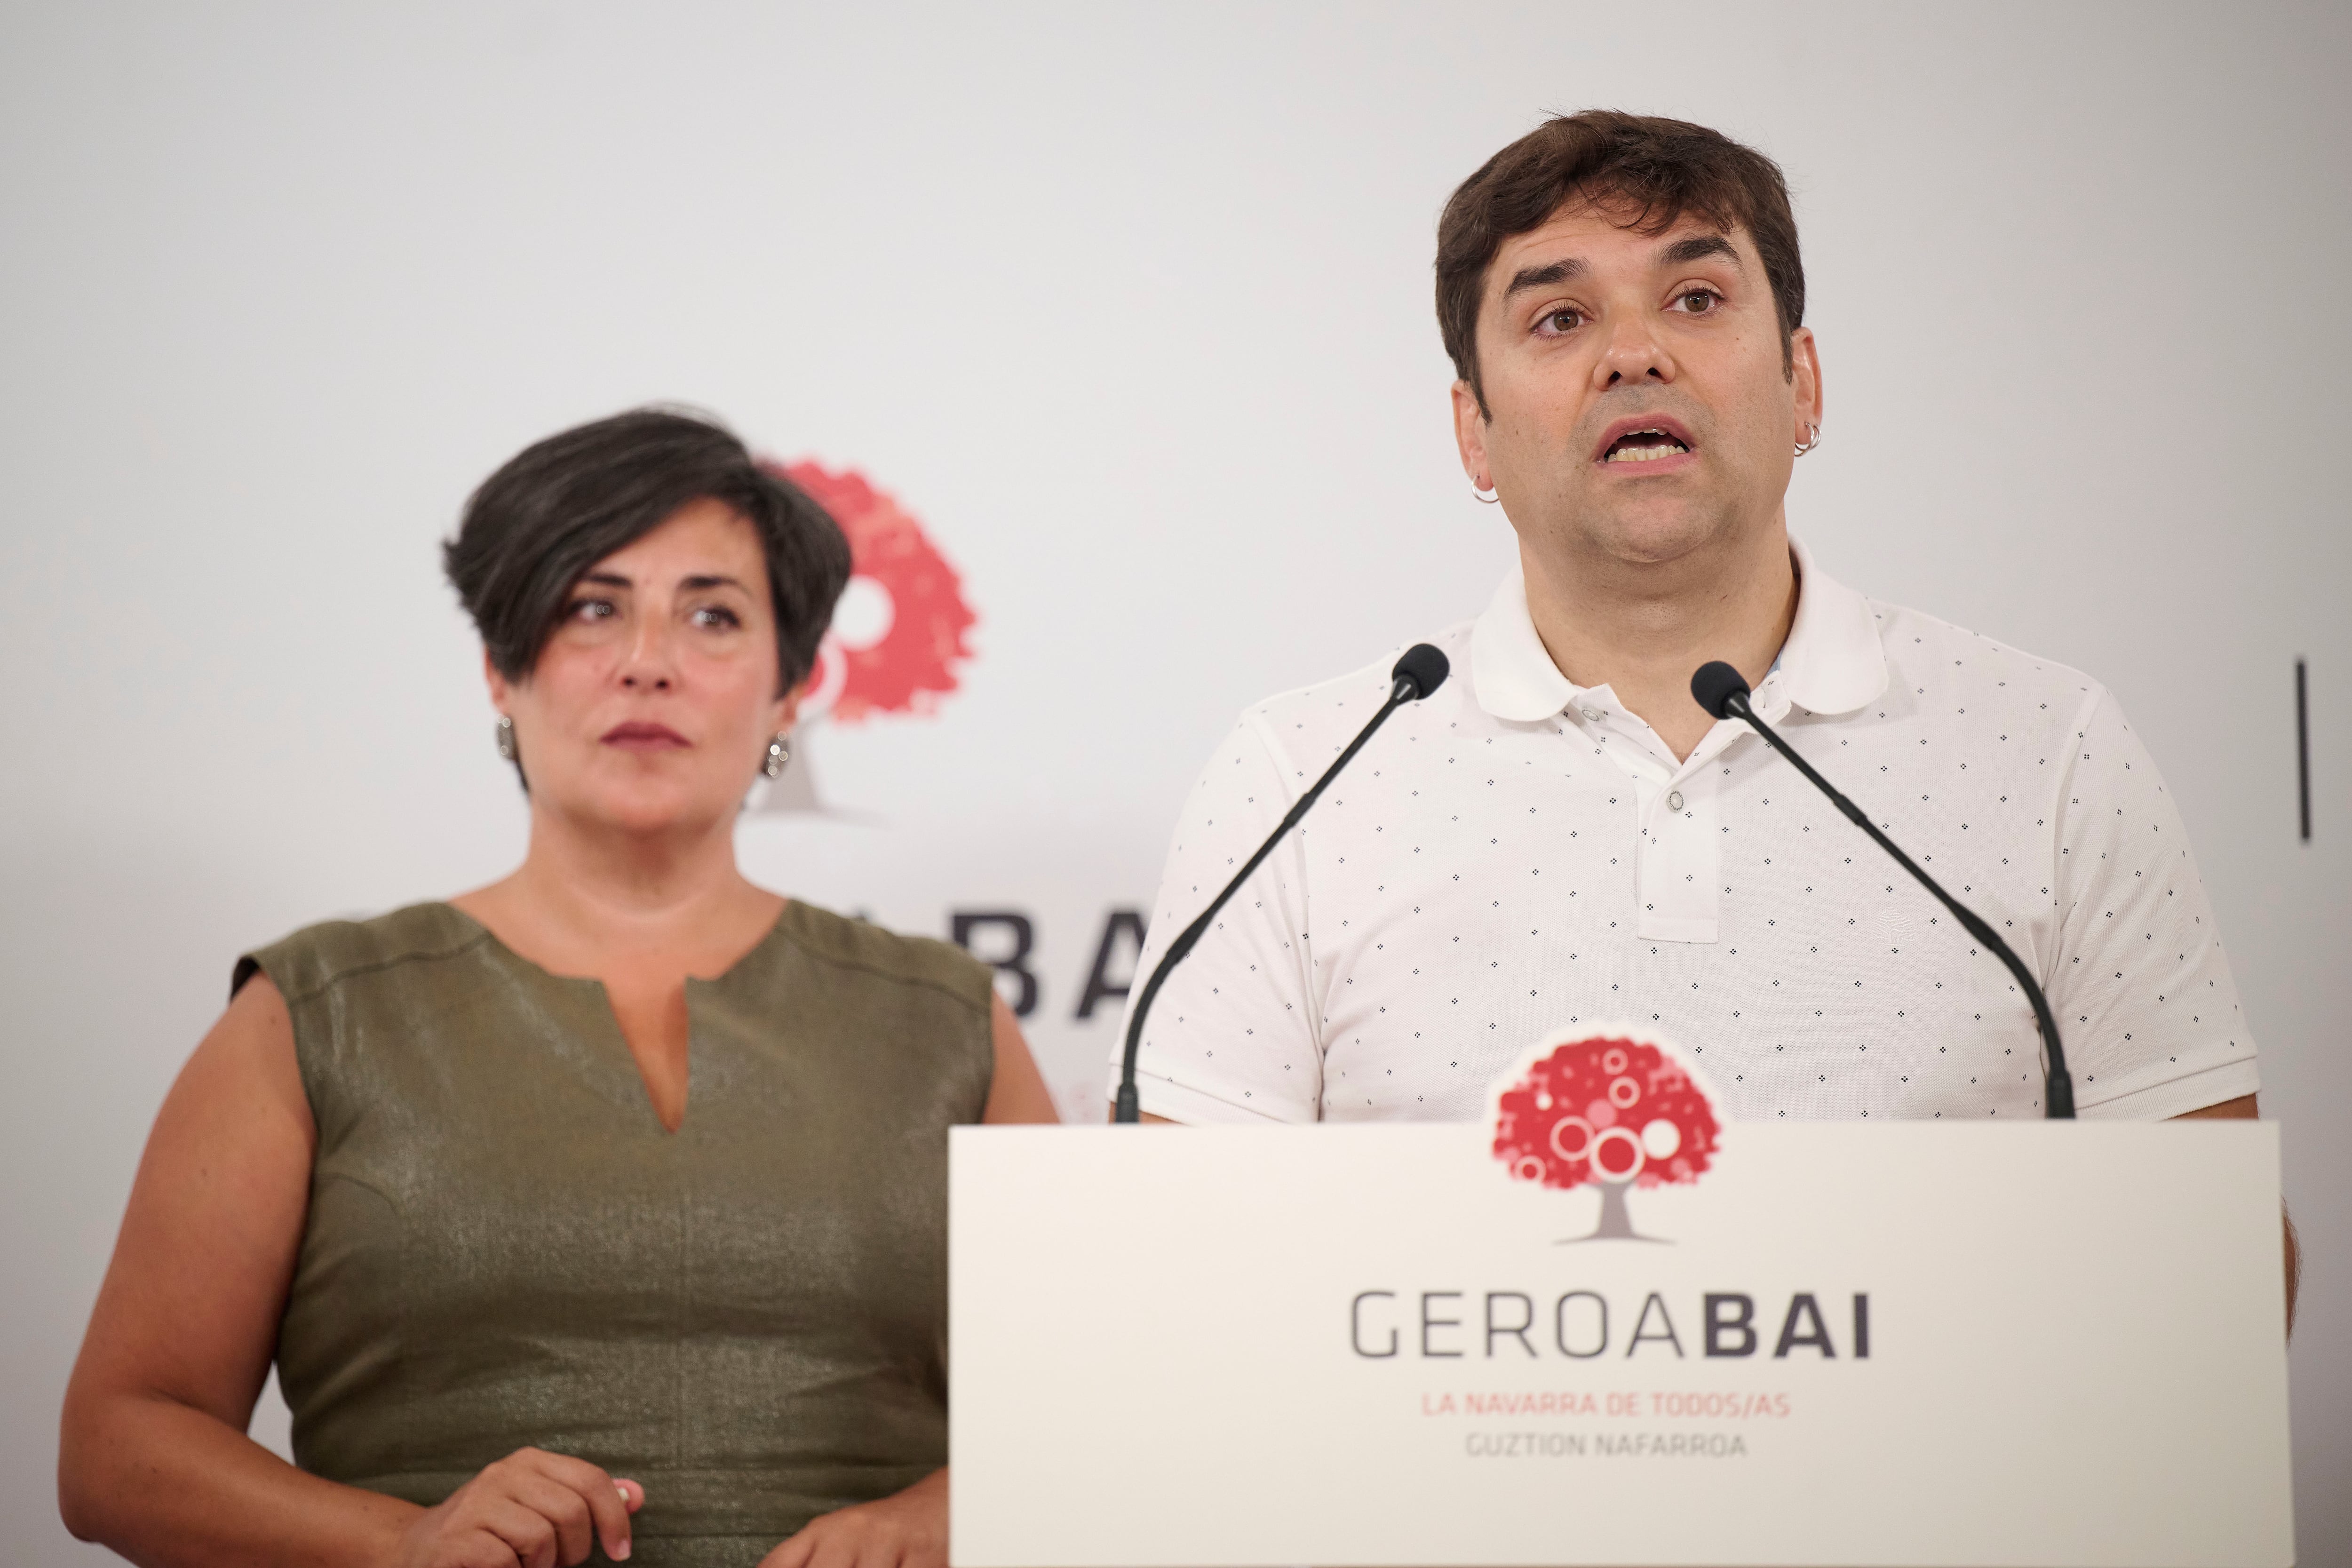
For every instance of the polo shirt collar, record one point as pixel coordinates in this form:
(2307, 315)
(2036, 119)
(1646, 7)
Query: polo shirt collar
(1510, 669)
(1832, 663)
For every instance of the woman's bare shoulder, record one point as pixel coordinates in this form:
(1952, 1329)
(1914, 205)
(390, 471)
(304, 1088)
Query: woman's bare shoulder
(245, 1064)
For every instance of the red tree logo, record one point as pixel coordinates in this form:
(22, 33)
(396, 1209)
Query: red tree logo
(1610, 1110)
(899, 635)
(899, 631)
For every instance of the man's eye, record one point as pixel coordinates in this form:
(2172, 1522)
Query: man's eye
(1699, 301)
(1564, 320)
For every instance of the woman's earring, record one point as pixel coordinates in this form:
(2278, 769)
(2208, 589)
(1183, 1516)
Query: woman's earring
(778, 755)
(504, 733)
(1488, 494)
(1813, 438)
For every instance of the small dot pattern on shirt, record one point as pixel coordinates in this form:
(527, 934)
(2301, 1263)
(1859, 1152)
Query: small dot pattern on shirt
(1470, 884)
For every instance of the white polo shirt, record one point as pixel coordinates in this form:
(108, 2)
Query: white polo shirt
(1517, 853)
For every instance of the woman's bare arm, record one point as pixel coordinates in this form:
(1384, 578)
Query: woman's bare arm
(153, 1460)
(1017, 1092)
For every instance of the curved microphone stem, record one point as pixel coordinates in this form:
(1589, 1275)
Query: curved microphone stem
(1125, 1109)
(2059, 1084)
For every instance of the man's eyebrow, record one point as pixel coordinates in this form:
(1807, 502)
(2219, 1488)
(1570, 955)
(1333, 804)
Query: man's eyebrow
(1545, 277)
(1696, 248)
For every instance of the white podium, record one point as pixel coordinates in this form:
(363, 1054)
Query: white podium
(1886, 1343)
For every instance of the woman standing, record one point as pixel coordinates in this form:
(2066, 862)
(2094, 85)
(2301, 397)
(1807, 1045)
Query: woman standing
(615, 1188)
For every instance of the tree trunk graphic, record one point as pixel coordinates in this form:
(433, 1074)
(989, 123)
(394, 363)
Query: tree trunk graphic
(793, 791)
(1616, 1220)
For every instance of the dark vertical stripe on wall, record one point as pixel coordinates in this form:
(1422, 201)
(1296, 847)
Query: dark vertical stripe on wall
(2303, 747)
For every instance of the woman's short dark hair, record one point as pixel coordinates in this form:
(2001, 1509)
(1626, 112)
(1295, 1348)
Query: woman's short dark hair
(560, 505)
(1654, 170)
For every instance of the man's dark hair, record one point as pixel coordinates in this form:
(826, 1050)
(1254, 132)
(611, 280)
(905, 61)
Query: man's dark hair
(1647, 170)
(562, 505)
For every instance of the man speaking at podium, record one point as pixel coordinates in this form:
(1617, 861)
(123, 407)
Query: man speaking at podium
(1560, 833)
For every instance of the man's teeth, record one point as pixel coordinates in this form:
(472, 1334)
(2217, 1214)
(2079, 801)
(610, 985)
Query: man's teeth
(1647, 454)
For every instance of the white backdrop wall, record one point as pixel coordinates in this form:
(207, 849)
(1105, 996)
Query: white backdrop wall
(1131, 308)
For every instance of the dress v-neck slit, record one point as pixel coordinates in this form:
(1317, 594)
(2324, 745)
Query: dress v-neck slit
(611, 1015)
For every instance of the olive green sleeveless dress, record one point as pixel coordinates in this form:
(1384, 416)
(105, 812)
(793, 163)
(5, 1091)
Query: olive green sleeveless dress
(505, 1249)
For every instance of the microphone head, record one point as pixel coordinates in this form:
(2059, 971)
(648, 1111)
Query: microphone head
(1424, 667)
(1714, 685)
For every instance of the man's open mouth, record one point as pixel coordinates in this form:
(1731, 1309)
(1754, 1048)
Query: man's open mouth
(1643, 446)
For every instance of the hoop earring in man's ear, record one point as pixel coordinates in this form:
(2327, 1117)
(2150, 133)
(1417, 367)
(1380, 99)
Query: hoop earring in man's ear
(1488, 494)
(1811, 440)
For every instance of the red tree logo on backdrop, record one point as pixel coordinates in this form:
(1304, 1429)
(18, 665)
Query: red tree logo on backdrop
(899, 633)
(1609, 1110)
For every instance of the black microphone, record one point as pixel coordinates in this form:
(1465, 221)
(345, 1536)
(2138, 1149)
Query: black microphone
(1721, 690)
(1421, 671)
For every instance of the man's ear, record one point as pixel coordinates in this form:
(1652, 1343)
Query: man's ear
(1805, 375)
(1470, 435)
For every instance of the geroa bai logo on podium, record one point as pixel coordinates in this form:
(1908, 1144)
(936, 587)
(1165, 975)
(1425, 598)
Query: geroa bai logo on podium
(1611, 1107)
(1617, 1109)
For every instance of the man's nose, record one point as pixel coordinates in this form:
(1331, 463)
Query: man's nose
(1631, 353)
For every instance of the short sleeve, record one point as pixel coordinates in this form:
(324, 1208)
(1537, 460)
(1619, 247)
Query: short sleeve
(2140, 989)
(1231, 1036)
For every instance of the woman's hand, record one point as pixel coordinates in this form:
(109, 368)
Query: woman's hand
(531, 1508)
(905, 1530)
